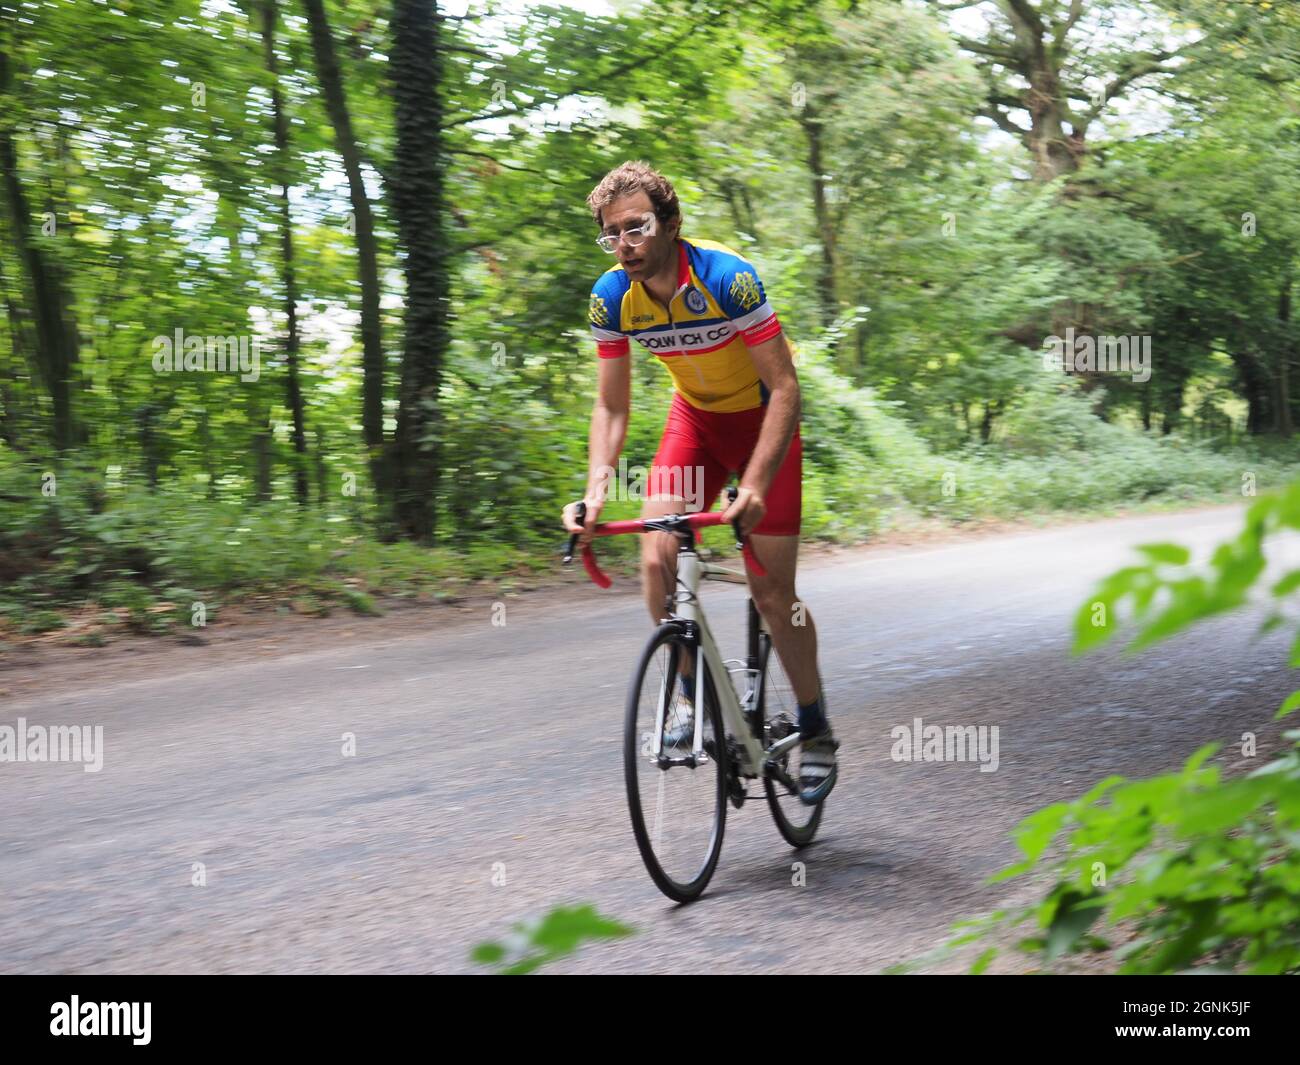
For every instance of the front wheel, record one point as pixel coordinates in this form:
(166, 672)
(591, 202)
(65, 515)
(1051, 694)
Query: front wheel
(678, 802)
(779, 708)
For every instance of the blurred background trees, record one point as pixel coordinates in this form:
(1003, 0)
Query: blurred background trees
(388, 196)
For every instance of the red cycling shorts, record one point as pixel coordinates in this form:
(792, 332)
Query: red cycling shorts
(708, 446)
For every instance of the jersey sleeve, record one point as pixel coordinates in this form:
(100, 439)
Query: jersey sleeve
(740, 294)
(604, 316)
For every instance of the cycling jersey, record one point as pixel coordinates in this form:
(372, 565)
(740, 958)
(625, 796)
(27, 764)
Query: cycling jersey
(703, 335)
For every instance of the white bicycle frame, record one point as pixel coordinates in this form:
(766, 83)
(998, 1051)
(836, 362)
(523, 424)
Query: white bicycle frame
(691, 569)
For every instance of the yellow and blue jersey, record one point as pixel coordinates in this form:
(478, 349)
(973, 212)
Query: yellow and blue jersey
(704, 333)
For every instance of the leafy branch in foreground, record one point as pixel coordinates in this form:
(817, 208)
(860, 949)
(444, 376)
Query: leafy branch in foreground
(559, 933)
(1205, 872)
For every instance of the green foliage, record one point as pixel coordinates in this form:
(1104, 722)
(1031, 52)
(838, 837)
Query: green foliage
(1166, 593)
(1201, 871)
(1204, 872)
(915, 293)
(559, 933)
(145, 557)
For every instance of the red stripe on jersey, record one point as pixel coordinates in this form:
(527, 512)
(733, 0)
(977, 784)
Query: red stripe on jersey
(765, 330)
(612, 349)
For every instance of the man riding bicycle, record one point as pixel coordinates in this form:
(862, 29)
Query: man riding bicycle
(701, 309)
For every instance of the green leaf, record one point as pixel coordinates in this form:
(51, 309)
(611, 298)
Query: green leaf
(1075, 914)
(1287, 584)
(488, 953)
(1289, 704)
(1036, 831)
(557, 934)
(1170, 554)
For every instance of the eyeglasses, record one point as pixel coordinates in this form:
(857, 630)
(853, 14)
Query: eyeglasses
(635, 237)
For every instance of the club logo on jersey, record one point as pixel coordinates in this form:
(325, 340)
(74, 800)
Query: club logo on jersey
(744, 290)
(598, 314)
(694, 299)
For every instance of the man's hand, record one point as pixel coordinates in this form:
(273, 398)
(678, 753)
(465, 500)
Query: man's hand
(748, 509)
(570, 518)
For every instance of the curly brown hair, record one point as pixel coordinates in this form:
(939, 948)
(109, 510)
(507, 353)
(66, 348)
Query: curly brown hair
(632, 177)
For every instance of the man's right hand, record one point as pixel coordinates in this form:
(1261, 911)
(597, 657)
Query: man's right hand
(571, 523)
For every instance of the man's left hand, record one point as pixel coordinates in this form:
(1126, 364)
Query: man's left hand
(748, 509)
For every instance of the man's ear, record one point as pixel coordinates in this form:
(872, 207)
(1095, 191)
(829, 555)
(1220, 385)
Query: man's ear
(675, 227)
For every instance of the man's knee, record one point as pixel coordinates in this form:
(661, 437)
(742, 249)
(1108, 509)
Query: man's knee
(776, 602)
(658, 556)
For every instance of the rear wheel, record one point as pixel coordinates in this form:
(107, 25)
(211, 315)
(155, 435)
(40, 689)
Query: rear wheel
(678, 803)
(796, 821)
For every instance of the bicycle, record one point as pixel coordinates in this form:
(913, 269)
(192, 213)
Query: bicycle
(757, 729)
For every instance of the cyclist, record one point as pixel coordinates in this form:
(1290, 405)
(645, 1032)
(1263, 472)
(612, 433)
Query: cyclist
(701, 309)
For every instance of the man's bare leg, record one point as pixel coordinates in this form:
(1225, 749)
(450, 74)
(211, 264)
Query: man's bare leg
(795, 638)
(788, 620)
(659, 558)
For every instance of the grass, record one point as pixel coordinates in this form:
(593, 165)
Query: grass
(147, 560)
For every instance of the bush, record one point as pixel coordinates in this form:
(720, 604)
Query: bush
(1205, 870)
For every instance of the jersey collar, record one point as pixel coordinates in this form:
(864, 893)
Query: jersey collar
(683, 266)
(683, 273)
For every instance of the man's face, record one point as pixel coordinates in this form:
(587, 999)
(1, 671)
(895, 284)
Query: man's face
(632, 212)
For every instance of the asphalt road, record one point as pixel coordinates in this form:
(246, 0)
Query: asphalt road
(492, 753)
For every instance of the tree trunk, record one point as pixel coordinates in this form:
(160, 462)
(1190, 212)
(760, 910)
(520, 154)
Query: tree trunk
(812, 128)
(1054, 153)
(1172, 412)
(1284, 424)
(1256, 389)
(991, 411)
(281, 170)
(55, 329)
(372, 351)
(9, 402)
(322, 489)
(419, 168)
(263, 440)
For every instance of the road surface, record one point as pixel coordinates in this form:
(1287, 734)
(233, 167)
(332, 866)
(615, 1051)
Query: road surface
(492, 753)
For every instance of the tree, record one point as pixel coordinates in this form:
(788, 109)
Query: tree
(1037, 58)
(345, 142)
(55, 328)
(419, 170)
(281, 170)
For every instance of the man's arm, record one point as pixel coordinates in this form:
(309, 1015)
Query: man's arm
(608, 423)
(609, 418)
(775, 366)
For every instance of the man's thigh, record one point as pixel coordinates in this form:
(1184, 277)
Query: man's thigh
(779, 556)
(685, 477)
(785, 500)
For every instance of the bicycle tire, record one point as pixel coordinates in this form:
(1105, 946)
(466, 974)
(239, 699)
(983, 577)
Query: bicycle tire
(797, 835)
(678, 890)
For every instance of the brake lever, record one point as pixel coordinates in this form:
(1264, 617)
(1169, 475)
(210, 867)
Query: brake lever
(735, 525)
(742, 542)
(581, 515)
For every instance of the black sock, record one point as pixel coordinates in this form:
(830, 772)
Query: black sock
(688, 685)
(812, 718)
